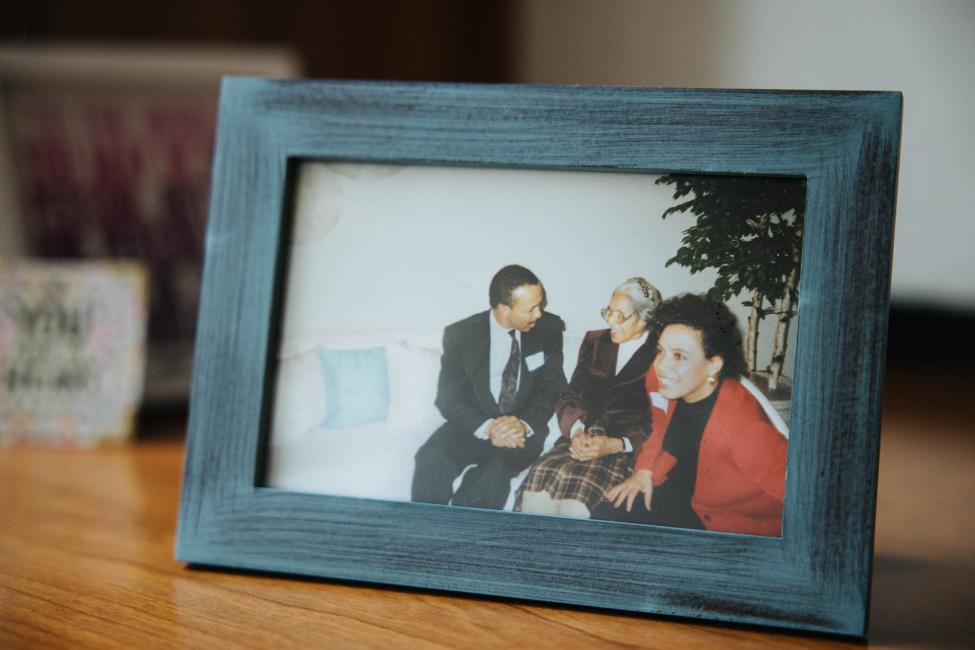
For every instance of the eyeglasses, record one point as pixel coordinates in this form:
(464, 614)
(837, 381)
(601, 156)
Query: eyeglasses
(614, 316)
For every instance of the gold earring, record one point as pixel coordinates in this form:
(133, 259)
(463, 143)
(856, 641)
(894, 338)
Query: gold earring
(712, 380)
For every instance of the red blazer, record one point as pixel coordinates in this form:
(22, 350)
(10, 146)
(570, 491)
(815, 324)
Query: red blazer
(740, 483)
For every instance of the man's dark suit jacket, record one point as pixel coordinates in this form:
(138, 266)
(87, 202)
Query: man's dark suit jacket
(464, 392)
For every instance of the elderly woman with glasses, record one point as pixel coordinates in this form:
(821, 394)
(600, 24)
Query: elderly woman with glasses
(603, 416)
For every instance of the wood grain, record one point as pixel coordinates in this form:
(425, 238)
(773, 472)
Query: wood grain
(86, 542)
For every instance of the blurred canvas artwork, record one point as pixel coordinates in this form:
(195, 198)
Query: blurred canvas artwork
(105, 154)
(72, 351)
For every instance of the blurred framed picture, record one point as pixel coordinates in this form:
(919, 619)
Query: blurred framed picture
(72, 351)
(105, 154)
(612, 347)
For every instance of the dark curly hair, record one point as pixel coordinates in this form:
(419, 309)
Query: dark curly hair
(720, 333)
(509, 278)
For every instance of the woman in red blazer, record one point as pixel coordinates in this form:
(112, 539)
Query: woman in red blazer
(713, 459)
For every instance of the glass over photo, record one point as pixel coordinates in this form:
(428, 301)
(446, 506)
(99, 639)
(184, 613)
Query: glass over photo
(593, 345)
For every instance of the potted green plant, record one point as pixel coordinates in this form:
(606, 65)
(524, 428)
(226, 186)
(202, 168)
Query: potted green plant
(749, 229)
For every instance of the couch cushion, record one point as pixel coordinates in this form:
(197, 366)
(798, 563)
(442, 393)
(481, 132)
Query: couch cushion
(356, 386)
(413, 374)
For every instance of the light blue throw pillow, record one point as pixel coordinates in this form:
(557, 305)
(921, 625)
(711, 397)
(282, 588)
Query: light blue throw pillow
(356, 386)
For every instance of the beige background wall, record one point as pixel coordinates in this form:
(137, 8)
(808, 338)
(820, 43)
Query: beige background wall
(924, 49)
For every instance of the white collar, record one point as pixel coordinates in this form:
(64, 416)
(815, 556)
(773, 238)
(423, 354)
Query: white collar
(499, 332)
(633, 344)
(627, 349)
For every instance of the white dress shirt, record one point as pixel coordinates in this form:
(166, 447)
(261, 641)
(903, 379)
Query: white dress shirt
(498, 353)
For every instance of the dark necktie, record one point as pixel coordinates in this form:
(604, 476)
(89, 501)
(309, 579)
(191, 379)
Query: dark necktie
(509, 377)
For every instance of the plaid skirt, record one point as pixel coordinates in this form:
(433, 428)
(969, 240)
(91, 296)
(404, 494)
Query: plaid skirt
(563, 477)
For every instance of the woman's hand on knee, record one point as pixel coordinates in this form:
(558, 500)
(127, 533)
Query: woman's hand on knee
(627, 491)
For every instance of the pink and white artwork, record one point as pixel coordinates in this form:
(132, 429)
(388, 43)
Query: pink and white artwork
(72, 351)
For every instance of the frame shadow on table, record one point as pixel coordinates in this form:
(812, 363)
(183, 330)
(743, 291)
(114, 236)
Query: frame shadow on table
(907, 589)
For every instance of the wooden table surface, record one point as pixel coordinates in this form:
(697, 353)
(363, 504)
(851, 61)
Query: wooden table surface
(86, 548)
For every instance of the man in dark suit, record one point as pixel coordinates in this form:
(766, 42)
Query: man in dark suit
(500, 375)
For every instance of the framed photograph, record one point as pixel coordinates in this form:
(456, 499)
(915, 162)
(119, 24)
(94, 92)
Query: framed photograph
(613, 347)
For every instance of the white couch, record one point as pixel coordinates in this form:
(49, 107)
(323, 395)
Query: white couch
(373, 460)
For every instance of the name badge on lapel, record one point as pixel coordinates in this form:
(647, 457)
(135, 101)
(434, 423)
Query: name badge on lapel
(534, 361)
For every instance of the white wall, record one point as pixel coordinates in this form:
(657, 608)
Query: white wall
(381, 248)
(926, 49)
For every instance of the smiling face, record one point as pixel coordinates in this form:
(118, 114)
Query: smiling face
(527, 303)
(681, 365)
(624, 323)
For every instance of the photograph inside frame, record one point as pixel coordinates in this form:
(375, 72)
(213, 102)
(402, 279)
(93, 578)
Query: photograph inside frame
(614, 346)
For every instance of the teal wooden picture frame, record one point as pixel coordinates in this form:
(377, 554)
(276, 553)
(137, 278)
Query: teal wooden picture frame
(816, 576)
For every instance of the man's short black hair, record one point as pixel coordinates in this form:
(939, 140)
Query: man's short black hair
(505, 281)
